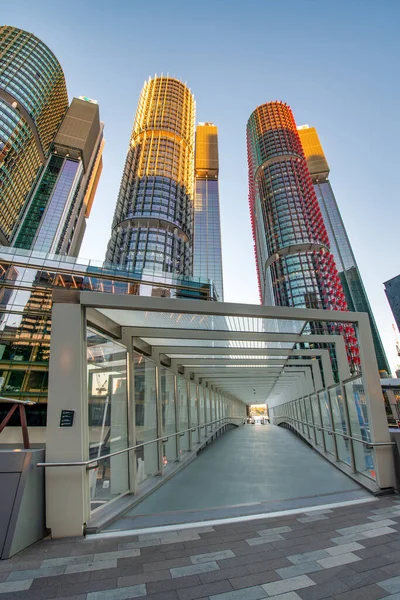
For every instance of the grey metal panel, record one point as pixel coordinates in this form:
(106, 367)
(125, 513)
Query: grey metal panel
(8, 485)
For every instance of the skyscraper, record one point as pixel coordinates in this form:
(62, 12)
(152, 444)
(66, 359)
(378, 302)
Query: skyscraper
(294, 263)
(33, 101)
(55, 218)
(207, 227)
(153, 220)
(392, 291)
(340, 247)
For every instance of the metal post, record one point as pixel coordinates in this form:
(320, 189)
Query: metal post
(322, 423)
(198, 413)
(189, 409)
(159, 420)
(335, 447)
(177, 419)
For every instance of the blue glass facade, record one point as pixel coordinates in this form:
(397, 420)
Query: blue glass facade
(33, 101)
(207, 234)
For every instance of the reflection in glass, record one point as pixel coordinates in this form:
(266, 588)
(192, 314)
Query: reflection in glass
(326, 421)
(183, 414)
(168, 416)
(108, 421)
(338, 412)
(146, 417)
(359, 424)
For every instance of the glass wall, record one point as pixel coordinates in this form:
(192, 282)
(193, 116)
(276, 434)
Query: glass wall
(107, 418)
(360, 428)
(146, 417)
(168, 415)
(194, 417)
(183, 414)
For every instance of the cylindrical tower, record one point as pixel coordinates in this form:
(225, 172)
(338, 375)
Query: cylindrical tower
(33, 101)
(294, 263)
(153, 221)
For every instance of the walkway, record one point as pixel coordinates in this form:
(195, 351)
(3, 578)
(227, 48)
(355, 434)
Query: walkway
(249, 470)
(349, 553)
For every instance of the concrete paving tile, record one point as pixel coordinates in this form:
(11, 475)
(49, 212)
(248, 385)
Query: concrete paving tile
(366, 527)
(259, 541)
(193, 569)
(167, 585)
(324, 590)
(391, 585)
(378, 550)
(144, 544)
(299, 569)
(392, 515)
(272, 530)
(251, 593)
(335, 573)
(364, 578)
(323, 511)
(100, 565)
(369, 592)
(308, 556)
(287, 596)
(166, 564)
(172, 595)
(372, 563)
(341, 559)
(348, 539)
(342, 549)
(135, 591)
(268, 565)
(253, 579)
(15, 586)
(393, 569)
(211, 556)
(378, 532)
(67, 560)
(311, 519)
(206, 589)
(287, 585)
(127, 580)
(35, 573)
(86, 587)
(128, 553)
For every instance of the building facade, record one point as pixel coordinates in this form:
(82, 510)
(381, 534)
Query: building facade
(294, 263)
(27, 282)
(392, 291)
(153, 221)
(55, 218)
(340, 247)
(33, 101)
(207, 261)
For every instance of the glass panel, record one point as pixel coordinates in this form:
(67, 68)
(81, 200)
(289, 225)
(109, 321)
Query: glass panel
(317, 420)
(168, 416)
(183, 414)
(146, 416)
(202, 415)
(108, 420)
(194, 418)
(338, 411)
(359, 425)
(326, 420)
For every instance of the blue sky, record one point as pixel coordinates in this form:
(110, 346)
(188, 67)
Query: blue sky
(334, 62)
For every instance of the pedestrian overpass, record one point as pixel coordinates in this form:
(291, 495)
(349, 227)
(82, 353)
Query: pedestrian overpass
(138, 386)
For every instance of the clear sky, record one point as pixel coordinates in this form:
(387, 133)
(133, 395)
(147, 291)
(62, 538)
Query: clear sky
(335, 62)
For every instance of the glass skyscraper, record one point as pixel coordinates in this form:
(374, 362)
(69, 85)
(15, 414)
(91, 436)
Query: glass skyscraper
(294, 263)
(346, 265)
(207, 227)
(153, 220)
(33, 101)
(55, 218)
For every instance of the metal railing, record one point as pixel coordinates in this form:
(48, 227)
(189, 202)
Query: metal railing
(335, 432)
(164, 439)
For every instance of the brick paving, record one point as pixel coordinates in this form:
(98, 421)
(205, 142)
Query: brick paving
(345, 553)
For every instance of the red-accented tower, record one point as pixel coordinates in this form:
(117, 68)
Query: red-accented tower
(294, 264)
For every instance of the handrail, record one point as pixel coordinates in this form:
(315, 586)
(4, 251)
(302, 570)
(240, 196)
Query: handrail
(15, 401)
(85, 463)
(333, 431)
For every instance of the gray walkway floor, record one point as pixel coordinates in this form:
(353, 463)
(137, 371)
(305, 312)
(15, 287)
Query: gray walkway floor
(248, 470)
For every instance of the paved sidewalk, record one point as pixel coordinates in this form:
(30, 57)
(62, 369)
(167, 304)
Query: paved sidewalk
(347, 553)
